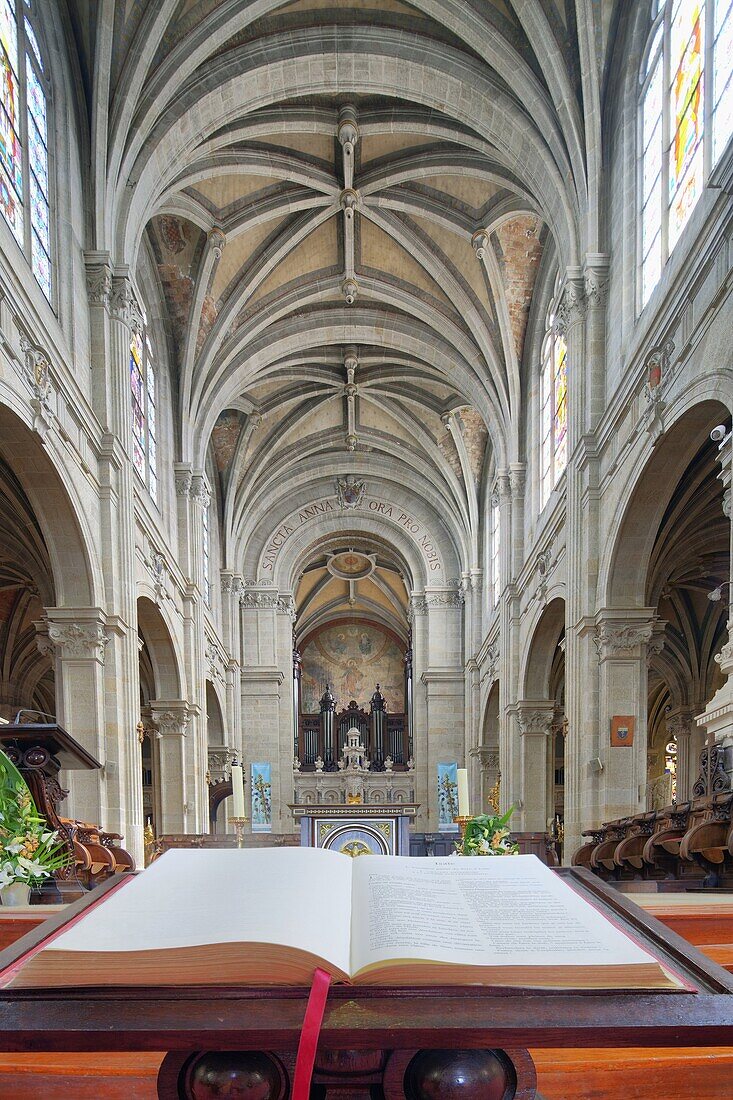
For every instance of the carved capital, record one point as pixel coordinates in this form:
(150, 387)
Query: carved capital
(517, 479)
(418, 606)
(123, 304)
(679, 725)
(184, 480)
(572, 307)
(619, 639)
(503, 487)
(535, 719)
(72, 640)
(171, 719)
(595, 286)
(99, 284)
(200, 492)
(254, 599)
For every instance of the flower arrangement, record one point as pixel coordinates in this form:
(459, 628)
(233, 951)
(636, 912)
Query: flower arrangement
(29, 851)
(487, 835)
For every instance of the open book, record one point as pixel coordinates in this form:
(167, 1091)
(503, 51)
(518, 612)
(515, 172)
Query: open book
(270, 916)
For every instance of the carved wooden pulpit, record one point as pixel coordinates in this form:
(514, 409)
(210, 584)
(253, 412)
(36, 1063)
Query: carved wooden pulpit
(39, 752)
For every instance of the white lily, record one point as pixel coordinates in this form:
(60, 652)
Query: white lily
(7, 874)
(33, 867)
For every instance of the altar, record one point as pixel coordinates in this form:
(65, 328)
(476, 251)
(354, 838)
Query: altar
(353, 808)
(357, 830)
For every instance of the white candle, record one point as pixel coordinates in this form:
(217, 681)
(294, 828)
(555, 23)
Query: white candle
(463, 810)
(238, 790)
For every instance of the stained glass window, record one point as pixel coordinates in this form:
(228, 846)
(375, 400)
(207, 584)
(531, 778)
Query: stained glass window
(722, 76)
(24, 187)
(142, 386)
(685, 65)
(553, 406)
(686, 119)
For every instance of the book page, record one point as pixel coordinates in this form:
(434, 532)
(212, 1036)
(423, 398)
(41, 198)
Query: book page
(491, 911)
(298, 897)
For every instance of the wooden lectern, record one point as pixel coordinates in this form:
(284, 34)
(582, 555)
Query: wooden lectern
(39, 752)
(445, 1043)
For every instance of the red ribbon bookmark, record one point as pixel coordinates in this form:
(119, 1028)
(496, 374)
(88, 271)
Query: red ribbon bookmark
(309, 1035)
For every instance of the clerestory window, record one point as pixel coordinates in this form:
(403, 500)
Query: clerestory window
(24, 140)
(686, 120)
(144, 414)
(553, 404)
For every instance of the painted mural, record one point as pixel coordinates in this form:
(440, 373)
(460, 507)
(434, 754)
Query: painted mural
(353, 658)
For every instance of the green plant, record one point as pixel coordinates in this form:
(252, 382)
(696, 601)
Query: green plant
(29, 851)
(488, 835)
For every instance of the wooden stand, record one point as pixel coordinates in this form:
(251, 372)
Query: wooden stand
(39, 752)
(444, 1043)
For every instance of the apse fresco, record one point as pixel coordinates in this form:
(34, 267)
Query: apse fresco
(353, 658)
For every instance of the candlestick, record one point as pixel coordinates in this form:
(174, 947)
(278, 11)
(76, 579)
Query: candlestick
(461, 822)
(463, 810)
(237, 791)
(239, 823)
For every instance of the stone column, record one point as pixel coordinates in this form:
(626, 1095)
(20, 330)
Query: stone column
(75, 638)
(171, 718)
(581, 525)
(622, 639)
(114, 314)
(194, 495)
(517, 480)
(266, 689)
(595, 284)
(444, 681)
(231, 589)
(534, 719)
(418, 617)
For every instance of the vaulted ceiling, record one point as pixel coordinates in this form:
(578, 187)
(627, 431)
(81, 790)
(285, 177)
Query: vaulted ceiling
(351, 210)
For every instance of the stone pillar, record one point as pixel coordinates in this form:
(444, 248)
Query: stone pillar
(418, 617)
(193, 496)
(534, 719)
(75, 638)
(581, 526)
(717, 718)
(231, 589)
(444, 681)
(595, 284)
(517, 480)
(622, 638)
(507, 660)
(114, 314)
(171, 718)
(266, 689)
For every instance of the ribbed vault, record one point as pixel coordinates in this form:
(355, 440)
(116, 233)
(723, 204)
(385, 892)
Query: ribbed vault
(374, 182)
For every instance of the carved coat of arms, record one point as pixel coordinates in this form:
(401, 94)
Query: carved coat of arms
(350, 492)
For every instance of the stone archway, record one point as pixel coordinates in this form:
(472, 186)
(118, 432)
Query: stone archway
(657, 633)
(72, 635)
(540, 720)
(163, 720)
